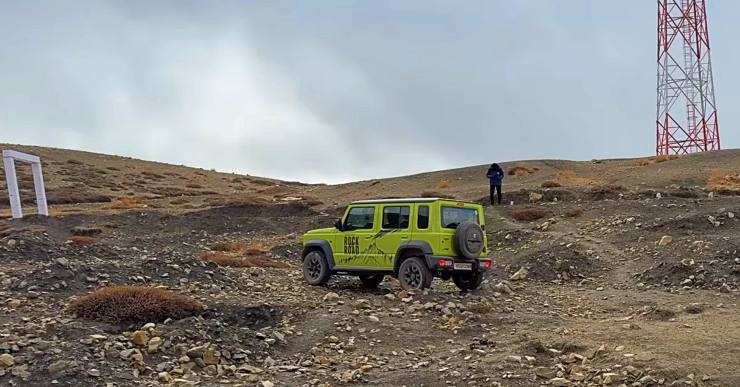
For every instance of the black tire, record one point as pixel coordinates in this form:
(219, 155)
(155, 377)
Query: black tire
(468, 281)
(469, 240)
(316, 269)
(371, 281)
(414, 274)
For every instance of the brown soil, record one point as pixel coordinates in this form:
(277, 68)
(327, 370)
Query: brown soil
(599, 287)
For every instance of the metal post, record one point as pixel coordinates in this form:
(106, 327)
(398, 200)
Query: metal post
(38, 185)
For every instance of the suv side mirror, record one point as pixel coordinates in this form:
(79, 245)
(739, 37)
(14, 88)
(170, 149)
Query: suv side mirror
(338, 224)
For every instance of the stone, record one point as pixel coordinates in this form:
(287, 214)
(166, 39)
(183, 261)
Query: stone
(610, 378)
(94, 372)
(514, 359)
(61, 365)
(331, 296)
(198, 351)
(164, 377)
(535, 197)
(266, 383)
(560, 382)
(210, 358)
(249, 369)
(644, 356)
(520, 274)
(154, 344)
(139, 338)
(665, 240)
(373, 318)
(6, 360)
(503, 287)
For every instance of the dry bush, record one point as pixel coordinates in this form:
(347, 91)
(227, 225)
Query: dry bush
(133, 304)
(256, 248)
(574, 213)
(605, 188)
(232, 260)
(572, 178)
(529, 214)
(125, 203)
(522, 171)
(656, 160)
(443, 184)
(79, 240)
(727, 184)
(550, 184)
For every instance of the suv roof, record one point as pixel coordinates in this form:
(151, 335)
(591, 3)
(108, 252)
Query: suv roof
(407, 200)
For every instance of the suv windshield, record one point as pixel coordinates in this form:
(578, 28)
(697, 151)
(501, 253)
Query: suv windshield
(453, 216)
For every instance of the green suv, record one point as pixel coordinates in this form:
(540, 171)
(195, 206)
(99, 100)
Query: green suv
(413, 240)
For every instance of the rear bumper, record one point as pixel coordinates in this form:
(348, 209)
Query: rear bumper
(441, 264)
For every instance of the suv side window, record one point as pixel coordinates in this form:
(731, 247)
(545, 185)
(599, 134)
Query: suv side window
(359, 218)
(395, 217)
(422, 218)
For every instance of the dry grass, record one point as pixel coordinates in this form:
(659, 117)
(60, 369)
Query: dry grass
(724, 183)
(238, 247)
(133, 304)
(550, 184)
(435, 194)
(568, 177)
(655, 160)
(443, 184)
(79, 240)
(522, 171)
(528, 214)
(605, 188)
(574, 213)
(233, 260)
(126, 203)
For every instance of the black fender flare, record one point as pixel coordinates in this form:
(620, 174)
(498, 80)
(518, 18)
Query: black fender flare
(321, 245)
(423, 246)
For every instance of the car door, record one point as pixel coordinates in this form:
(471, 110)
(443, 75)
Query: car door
(394, 230)
(358, 228)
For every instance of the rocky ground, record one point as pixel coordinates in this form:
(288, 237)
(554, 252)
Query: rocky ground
(620, 286)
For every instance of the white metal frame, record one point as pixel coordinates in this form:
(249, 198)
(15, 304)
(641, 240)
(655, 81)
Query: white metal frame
(9, 158)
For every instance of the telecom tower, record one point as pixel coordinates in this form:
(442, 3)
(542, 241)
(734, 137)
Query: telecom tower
(686, 119)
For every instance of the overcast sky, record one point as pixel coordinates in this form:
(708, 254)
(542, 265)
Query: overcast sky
(332, 91)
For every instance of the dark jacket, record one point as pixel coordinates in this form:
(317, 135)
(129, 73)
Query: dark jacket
(495, 175)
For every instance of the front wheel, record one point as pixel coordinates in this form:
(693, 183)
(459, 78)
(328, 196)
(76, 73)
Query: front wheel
(468, 281)
(316, 269)
(371, 281)
(414, 274)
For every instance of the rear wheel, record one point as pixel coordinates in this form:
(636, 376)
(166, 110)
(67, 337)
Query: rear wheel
(371, 281)
(468, 281)
(316, 269)
(414, 274)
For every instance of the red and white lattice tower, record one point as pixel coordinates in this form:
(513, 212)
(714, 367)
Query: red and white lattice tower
(687, 114)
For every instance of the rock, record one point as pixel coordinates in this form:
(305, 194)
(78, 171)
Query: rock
(535, 197)
(373, 318)
(140, 338)
(249, 369)
(390, 296)
(93, 372)
(154, 344)
(197, 351)
(266, 383)
(503, 287)
(731, 215)
(164, 377)
(331, 296)
(210, 358)
(645, 356)
(665, 240)
(514, 359)
(560, 382)
(520, 274)
(61, 365)
(725, 288)
(694, 308)
(6, 360)
(610, 378)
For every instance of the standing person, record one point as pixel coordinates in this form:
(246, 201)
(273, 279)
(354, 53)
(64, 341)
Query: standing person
(495, 179)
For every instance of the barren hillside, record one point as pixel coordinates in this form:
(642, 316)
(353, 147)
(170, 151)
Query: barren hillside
(606, 272)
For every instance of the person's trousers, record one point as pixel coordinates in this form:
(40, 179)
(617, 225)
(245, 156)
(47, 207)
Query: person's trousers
(496, 189)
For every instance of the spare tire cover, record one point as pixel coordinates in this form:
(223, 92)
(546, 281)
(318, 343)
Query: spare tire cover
(469, 240)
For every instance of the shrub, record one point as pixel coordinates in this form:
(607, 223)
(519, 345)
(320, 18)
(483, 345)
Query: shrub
(125, 203)
(443, 184)
(727, 184)
(79, 240)
(656, 160)
(550, 184)
(133, 304)
(529, 214)
(522, 171)
(435, 194)
(605, 188)
(232, 260)
(574, 213)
